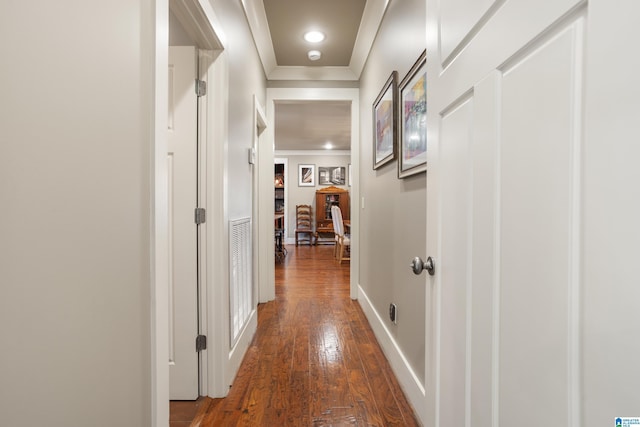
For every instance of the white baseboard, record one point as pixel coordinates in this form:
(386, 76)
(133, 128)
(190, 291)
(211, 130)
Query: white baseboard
(238, 351)
(408, 380)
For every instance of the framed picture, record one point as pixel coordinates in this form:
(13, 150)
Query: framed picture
(334, 175)
(385, 122)
(349, 174)
(413, 120)
(306, 175)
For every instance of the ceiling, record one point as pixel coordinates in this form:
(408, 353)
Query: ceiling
(288, 20)
(310, 125)
(278, 27)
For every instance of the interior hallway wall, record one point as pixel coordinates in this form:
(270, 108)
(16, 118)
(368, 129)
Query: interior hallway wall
(244, 84)
(392, 223)
(246, 79)
(76, 113)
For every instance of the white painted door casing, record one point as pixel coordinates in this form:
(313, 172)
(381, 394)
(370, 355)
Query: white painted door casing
(512, 214)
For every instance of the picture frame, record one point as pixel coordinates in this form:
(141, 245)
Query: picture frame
(306, 175)
(412, 158)
(332, 175)
(385, 123)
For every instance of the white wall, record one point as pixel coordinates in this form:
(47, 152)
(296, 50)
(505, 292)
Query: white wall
(76, 115)
(246, 79)
(306, 195)
(392, 223)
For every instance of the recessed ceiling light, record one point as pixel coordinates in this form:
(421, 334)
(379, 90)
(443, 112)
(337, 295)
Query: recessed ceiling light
(328, 146)
(314, 55)
(313, 36)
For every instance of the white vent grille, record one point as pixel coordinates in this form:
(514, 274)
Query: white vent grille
(240, 272)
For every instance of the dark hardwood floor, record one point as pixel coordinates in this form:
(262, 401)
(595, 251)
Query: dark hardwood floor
(314, 360)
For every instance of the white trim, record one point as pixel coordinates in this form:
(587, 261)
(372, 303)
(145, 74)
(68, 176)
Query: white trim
(257, 20)
(409, 381)
(196, 16)
(266, 194)
(205, 59)
(575, 326)
(312, 73)
(200, 23)
(312, 153)
(259, 126)
(497, 251)
(371, 19)
(372, 16)
(217, 266)
(242, 344)
(265, 159)
(159, 241)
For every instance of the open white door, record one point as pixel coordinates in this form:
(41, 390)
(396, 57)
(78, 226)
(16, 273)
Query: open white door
(534, 290)
(182, 201)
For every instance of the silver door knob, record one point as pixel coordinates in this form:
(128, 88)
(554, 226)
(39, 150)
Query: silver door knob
(417, 265)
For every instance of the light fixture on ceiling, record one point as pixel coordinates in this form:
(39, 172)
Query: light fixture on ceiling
(314, 36)
(314, 55)
(328, 146)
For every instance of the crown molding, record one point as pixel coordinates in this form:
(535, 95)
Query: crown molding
(372, 16)
(312, 153)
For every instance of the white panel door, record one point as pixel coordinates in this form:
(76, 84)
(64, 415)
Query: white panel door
(183, 279)
(454, 298)
(516, 163)
(539, 207)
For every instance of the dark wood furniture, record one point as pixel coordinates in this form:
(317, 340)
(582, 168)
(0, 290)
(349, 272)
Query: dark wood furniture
(304, 224)
(279, 201)
(325, 198)
(279, 187)
(278, 232)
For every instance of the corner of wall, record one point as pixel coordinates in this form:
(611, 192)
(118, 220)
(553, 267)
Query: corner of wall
(409, 381)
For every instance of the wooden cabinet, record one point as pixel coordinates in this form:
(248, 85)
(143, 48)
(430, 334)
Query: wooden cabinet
(325, 198)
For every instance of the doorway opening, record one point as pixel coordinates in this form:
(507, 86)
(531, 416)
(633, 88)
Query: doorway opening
(313, 157)
(316, 131)
(190, 25)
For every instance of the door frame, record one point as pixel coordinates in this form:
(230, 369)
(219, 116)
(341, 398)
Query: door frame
(259, 126)
(201, 23)
(266, 271)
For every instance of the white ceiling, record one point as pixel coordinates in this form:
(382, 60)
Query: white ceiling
(278, 27)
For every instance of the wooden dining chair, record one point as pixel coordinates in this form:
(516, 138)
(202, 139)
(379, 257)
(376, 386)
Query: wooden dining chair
(343, 242)
(304, 224)
(334, 219)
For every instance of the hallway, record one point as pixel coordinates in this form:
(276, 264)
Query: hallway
(314, 360)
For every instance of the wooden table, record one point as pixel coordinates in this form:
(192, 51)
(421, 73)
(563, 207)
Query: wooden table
(281, 252)
(278, 220)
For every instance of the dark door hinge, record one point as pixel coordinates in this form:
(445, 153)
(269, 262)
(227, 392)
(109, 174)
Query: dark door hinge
(201, 343)
(201, 88)
(200, 216)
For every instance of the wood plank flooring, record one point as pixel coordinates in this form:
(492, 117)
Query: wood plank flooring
(314, 360)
